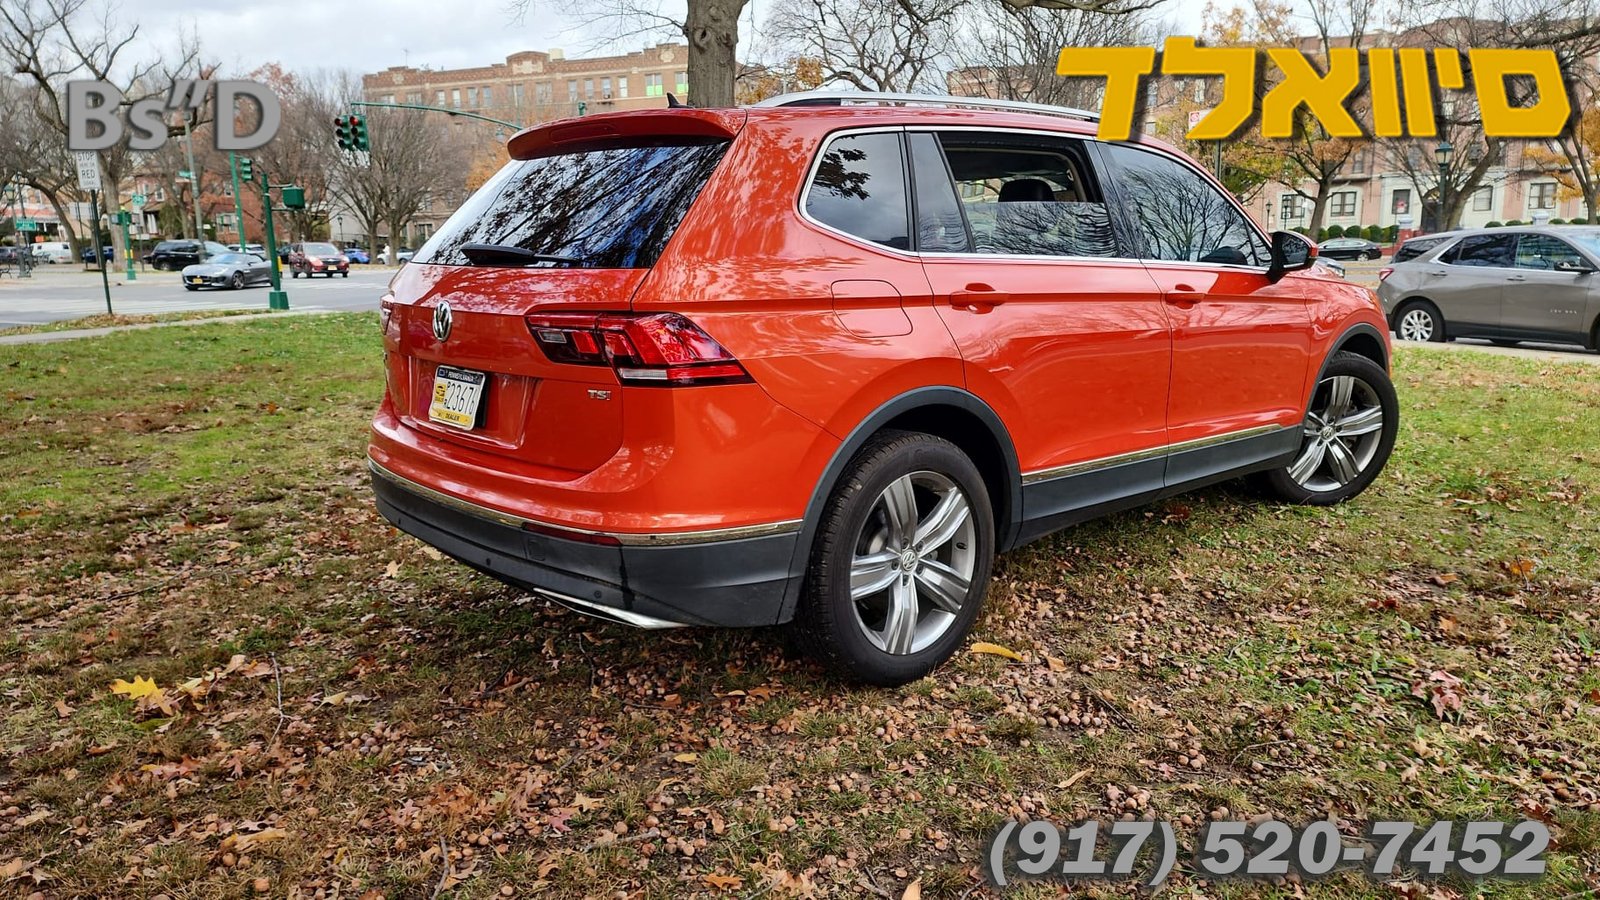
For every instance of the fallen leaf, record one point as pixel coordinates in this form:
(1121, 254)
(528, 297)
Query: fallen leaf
(913, 891)
(137, 689)
(723, 882)
(432, 553)
(62, 709)
(12, 869)
(585, 803)
(335, 699)
(995, 650)
(244, 843)
(1056, 665)
(392, 569)
(687, 757)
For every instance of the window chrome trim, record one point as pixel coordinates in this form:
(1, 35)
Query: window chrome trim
(1119, 459)
(631, 539)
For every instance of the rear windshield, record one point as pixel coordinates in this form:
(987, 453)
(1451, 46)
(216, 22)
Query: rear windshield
(326, 249)
(603, 209)
(1415, 248)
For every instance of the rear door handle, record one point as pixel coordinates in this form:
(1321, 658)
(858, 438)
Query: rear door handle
(1516, 278)
(1436, 272)
(1183, 295)
(977, 298)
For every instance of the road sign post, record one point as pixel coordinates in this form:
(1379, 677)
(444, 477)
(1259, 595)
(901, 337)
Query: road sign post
(125, 218)
(238, 200)
(89, 180)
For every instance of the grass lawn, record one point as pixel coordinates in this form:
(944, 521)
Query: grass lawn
(190, 506)
(104, 321)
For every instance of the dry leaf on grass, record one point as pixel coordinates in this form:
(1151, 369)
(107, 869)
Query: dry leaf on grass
(996, 650)
(722, 882)
(137, 689)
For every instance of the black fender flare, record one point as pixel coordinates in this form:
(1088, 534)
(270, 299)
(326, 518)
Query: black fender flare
(1005, 531)
(1338, 344)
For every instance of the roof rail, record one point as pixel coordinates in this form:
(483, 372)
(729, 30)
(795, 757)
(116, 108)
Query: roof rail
(840, 98)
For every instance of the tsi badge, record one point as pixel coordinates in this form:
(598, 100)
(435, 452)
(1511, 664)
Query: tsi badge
(441, 321)
(93, 122)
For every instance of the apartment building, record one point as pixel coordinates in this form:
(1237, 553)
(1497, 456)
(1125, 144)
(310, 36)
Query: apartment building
(539, 85)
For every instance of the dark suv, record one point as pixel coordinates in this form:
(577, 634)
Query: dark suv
(174, 255)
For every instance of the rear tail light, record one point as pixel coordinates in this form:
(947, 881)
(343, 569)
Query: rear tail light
(1384, 272)
(655, 349)
(385, 314)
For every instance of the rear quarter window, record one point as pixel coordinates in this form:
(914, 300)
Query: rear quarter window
(612, 208)
(1415, 248)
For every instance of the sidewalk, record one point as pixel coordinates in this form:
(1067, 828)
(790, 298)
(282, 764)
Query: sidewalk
(49, 337)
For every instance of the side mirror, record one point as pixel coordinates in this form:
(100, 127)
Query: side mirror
(1567, 265)
(1290, 253)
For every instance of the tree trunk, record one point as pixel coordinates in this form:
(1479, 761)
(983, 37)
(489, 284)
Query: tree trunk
(1590, 196)
(712, 30)
(61, 214)
(1319, 208)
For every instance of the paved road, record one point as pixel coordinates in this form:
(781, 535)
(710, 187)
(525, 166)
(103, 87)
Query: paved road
(67, 292)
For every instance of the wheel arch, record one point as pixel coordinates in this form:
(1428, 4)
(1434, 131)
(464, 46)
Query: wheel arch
(951, 413)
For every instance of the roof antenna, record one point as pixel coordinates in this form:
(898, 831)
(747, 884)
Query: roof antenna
(672, 102)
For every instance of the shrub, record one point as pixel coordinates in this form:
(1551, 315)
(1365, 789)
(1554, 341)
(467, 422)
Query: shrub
(1579, 220)
(1334, 231)
(1516, 222)
(1558, 221)
(1301, 230)
(1494, 223)
(1373, 233)
(1391, 234)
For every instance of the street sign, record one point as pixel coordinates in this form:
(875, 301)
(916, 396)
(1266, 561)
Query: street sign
(88, 170)
(1195, 115)
(138, 200)
(27, 225)
(185, 173)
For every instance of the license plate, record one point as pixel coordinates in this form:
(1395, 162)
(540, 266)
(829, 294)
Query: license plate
(197, 281)
(457, 396)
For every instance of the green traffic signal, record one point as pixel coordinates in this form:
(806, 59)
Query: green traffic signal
(358, 134)
(247, 170)
(342, 132)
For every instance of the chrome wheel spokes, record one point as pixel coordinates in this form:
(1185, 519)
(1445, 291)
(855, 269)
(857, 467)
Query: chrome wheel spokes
(913, 563)
(1416, 325)
(1342, 433)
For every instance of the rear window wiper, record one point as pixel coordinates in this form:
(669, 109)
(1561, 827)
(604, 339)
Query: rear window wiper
(507, 255)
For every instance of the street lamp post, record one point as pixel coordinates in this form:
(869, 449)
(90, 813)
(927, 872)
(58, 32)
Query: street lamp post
(1442, 154)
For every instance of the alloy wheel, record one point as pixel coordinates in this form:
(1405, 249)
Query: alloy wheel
(1417, 325)
(913, 563)
(1342, 434)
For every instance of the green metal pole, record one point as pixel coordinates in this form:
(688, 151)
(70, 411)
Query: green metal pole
(276, 298)
(444, 109)
(238, 202)
(127, 247)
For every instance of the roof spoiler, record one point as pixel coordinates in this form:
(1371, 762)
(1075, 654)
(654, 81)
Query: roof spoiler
(607, 130)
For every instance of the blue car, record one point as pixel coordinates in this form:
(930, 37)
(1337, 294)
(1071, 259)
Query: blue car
(357, 255)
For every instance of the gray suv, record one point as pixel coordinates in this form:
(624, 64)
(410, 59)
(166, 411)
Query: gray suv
(1504, 284)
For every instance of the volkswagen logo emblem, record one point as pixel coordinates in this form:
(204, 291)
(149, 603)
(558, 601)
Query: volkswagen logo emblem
(441, 321)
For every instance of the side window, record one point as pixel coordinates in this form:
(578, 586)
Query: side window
(860, 188)
(1480, 250)
(1541, 251)
(1029, 195)
(1414, 248)
(1180, 215)
(941, 226)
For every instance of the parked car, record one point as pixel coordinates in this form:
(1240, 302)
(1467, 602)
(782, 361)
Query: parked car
(1505, 284)
(405, 255)
(87, 254)
(1349, 248)
(52, 252)
(832, 358)
(228, 270)
(1331, 265)
(10, 256)
(357, 255)
(317, 258)
(256, 249)
(174, 255)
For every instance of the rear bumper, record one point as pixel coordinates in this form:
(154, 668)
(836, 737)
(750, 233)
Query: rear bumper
(733, 582)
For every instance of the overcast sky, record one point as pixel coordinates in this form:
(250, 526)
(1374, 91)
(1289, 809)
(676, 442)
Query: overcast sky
(371, 35)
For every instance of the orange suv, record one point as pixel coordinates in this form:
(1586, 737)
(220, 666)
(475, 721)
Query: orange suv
(819, 360)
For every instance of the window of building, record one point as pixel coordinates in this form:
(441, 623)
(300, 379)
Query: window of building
(472, 96)
(860, 189)
(605, 88)
(414, 97)
(572, 89)
(1199, 91)
(622, 86)
(388, 98)
(1400, 202)
(588, 87)
(455, 97)
(438, 98)
(1358, 162)
(488, 95)
(517, 95)
(1483, 199)
(654, 85)
(1289, 207)
(1542, 196)
(683, 83)
(541, 93)
(1343, 203)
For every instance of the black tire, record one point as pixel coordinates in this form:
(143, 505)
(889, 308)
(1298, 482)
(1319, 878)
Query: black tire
(1283, 485)
(1422, 307)
(236, 282)
(344, 274)
(828, 625)
(1371, 254)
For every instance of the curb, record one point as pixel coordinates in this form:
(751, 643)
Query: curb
(50, 337)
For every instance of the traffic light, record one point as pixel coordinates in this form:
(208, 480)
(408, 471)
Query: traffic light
(247, 169)
(358, 134)
(294, 197)
(342, 132)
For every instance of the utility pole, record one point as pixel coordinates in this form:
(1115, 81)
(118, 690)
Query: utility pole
(238, 201)
(194, 182)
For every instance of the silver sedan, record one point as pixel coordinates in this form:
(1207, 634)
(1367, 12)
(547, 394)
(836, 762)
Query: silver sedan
(227, 270)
